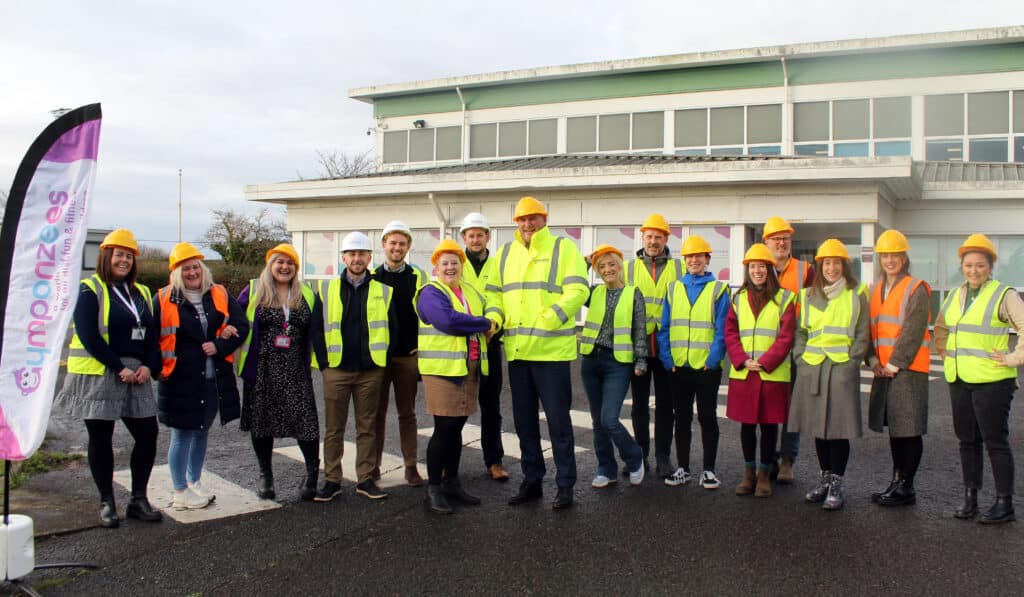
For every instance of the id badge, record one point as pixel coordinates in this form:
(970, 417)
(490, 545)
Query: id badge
(138, 333)
(282, 341)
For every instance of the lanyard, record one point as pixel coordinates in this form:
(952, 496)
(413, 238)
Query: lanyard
(287, 310)
(128, 302)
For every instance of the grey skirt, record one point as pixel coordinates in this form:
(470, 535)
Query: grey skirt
(104, 397)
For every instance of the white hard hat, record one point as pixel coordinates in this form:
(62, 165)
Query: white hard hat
(355, 241)
(474, 220)
(396, 226)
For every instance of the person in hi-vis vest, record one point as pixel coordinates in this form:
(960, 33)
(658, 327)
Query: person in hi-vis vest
(614, 348)
(476, 234)
(900, 358)
(831, 340)
(793, 275)
(972, 335)
(536, 284)
(114, 353)
(453, 358)
(651, 271)
(358, 323)
(758, 338)
(691, 345)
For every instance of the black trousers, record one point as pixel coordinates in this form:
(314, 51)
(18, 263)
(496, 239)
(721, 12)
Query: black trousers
(640, 412)
(981, 414)
(101, 453)
(490, 407)
(748, 440)
(689, 384)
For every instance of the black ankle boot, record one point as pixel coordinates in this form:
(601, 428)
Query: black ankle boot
(108, 514)
(1000, 512)
(453, 489)
(902, 494)
(436, 501)
(308, 491)
(877, 497)
(969, 509)
(141, 509)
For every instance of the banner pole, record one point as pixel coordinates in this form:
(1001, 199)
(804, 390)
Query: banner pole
(7, 490)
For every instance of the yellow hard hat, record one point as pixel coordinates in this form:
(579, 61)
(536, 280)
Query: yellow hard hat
(775, 225)
(604, 250)
(284, 249)
(181, 253)
(832, 247)
(891, 241)
(977, 242)
(122, 237)
(695, 244)
(656, 222)
(529, 206)
(758, 252)
(447, 246)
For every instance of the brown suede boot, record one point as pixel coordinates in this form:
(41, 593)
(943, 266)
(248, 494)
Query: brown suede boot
(764, 483)
(746, 486)
(785, 471)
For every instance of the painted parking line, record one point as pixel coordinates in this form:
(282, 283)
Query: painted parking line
(510, 441)
(392, 468)
(232, 500)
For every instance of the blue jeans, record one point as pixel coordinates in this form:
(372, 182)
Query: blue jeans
(605, 381)
(185, 456)
(550, 384)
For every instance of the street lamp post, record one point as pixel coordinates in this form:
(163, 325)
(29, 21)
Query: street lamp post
(179, 205)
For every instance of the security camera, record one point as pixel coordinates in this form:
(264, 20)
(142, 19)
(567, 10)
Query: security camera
(369, 131)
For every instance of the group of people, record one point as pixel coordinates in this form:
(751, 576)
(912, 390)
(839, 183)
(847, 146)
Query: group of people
(791, 341)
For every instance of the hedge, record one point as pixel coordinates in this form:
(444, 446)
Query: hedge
(153, 273)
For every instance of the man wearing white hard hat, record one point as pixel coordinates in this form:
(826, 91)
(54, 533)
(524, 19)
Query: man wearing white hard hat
(476, 233)
(402, 372)
(358, 327)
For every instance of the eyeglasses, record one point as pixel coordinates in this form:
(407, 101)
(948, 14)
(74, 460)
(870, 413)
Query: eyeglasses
(780, 239)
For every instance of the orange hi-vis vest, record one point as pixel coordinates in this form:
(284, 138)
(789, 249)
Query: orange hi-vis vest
(794, 277)
(887, 319)
(170, 321)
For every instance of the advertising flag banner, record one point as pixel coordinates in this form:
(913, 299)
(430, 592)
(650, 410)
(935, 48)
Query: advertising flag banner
(41, 247)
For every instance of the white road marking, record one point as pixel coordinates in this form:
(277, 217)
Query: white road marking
(232, 500)
(392, 468)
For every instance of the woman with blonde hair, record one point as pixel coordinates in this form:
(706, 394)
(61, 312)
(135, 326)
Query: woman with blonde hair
(285, 328)
(201, 325)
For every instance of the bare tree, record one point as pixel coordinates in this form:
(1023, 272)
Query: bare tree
(337, 164)
(3, 205)
(243, 238)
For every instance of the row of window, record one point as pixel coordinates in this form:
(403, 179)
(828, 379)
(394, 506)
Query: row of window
(985, 126)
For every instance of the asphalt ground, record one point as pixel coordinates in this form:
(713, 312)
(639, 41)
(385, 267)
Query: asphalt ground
(650, 539)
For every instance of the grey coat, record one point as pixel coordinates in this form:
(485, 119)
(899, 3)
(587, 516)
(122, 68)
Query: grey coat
(901, 402)
(826, 397)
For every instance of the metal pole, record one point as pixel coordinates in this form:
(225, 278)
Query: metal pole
(179, 205)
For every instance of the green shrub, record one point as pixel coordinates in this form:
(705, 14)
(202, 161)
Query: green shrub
(153, 273)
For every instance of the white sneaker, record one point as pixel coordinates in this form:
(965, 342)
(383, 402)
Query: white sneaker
(199, 489)
(600, 482)
(637, 477)
(189, 500)
(680, 477)
(708, 480)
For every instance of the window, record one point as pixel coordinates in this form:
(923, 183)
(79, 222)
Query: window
(853, 127)
(943, 115)
(581, 134)
(810, 121)
(423, 145)
(543, 136)
(972, 127)
(512, 138)
(483, 140)
(395, 146)
(649, 130)
(727, 126)
(988, 113)
(732, 130)
(850, 120)
(764, 124)
(320, 255)
(613, 132)
(449, 143)
(892, 118)
(515, 138)
(691, 128)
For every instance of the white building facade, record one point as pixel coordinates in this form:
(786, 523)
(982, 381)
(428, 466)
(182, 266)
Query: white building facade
(922, 133)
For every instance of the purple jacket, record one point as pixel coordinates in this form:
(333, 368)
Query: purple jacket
(435, 308)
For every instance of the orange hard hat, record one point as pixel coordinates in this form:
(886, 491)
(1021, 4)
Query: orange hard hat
(181, 253)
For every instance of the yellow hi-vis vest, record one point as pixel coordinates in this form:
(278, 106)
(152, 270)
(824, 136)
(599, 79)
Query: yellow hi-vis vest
(250, 314)
(526, 290)
(79, 359)
(830, 332)
(443, 354)
(638, 275)
(975, 334)
(622, 335)
(757, 334)
(378, 301)
(691, 330)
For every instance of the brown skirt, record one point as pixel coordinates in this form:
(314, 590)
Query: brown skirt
(452, 396)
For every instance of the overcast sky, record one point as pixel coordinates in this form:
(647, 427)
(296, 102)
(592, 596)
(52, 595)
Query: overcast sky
(234, 94)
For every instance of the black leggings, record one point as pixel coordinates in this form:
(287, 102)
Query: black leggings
(833, 454)
(445, 449)
(101, 453)
(748, 438)
(906, 454)
(264, 448)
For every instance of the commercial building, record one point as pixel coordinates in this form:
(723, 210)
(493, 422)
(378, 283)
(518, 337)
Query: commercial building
(923, 133)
